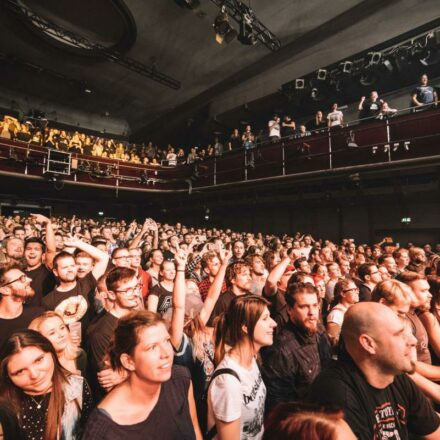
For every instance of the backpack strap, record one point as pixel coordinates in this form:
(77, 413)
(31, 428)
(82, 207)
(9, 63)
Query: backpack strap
(213, 431)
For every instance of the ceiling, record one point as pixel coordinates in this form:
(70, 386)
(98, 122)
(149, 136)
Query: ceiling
(180, 43)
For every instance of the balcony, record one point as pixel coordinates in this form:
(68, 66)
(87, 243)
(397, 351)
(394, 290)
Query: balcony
(402, 141)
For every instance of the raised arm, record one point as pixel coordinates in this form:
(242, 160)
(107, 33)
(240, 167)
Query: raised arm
(179, 293)
(137, 239)
(50, 238)
(101, 258)
(216, 287)
(271, 286)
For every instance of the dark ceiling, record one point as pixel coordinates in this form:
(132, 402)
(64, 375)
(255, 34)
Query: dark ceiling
(180, 43)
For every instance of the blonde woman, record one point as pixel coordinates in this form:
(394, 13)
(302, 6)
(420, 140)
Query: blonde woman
(70, 356)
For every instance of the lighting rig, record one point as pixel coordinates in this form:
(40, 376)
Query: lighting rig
(423, 49)
(251, 28)
(72, 39)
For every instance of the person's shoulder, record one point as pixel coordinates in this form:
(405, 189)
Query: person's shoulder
(32, 312)
(180, 372)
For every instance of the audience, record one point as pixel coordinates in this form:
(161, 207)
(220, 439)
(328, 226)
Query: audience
(95, 278)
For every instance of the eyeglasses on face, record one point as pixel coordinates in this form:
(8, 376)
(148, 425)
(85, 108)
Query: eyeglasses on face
(125, 257)
(21, 278)
(130, 291)
(353, 289)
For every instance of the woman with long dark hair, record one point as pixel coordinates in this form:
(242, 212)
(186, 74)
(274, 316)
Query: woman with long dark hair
(156, 401)
(50, 403)
(237, 394)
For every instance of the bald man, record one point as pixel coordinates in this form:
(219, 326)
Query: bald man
(369, 382)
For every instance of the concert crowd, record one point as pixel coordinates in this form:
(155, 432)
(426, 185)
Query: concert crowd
(124, 330)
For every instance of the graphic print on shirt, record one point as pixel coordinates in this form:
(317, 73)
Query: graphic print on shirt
(254, 426)
(388, 421)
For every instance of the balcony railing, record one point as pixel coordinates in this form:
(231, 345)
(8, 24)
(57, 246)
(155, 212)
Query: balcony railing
(411, 137)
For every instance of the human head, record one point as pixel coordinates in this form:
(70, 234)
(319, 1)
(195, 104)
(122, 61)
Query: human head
(121, 257)
(302, 265)
(256, 263)
(135, 258)
(303, 306)
(299, 421)
(167, 270)
(64, 267)
(246, 321)
(346, 292)
(421, 298)
(401, 257)
(369, 273)
(393, 294)
(142, 346)
(51, 325)
(374, 336)
(238, 277)
(14, 284)
(123, 287)
(424, 79)
(211, 263)
(14, 249)
(156, 257)
(417, 255)
(84, 263)
(19, 232)
(34, 249)
(238, 249)
(30, 365)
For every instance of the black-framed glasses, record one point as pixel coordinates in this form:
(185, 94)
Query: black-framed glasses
(353, 289)
(131, 291)
(126, 257)
(21, 278)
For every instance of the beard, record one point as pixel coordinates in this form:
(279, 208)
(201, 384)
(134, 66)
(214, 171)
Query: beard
(23, 293)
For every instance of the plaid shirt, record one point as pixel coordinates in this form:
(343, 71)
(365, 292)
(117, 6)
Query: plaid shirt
(291, 364)
(204, 286)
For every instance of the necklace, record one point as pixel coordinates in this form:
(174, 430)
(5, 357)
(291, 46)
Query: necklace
(38, 404)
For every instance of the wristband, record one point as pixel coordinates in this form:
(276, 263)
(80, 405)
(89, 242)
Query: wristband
(180, 270)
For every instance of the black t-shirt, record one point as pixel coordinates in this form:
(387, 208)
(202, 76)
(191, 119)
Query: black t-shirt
(100, 333)
(43, 282)
(235, 142)
(372, 413)
(370, 109)
(9, 326)
(85, 288)
(221, 306)
(165, 298)
(169, 420)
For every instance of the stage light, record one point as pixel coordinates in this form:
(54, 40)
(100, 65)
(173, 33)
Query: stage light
(321, 74)
(299, 84)
(388, 65)
(346, 66)
(375, 58)
(223, 30)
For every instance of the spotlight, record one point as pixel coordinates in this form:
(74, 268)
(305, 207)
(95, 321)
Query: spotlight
(299, 84)
(223, 30)
(346, 67)
(322, 74)
(375, 58)
(432, 57)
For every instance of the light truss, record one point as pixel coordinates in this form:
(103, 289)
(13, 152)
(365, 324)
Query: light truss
(70, 38)
(239, 12)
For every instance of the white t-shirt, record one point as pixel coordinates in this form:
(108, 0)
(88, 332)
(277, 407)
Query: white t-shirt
(336, 314)
(335, 118)
(275, 129)
(230, 399)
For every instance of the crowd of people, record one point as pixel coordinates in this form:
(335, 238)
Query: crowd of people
(423, 97)
(117, 330)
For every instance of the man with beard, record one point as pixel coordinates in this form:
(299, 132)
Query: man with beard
(15, 289)
(14, 251)
(368, 382)
(43, 280)
(238, 282)
(124, 291)
(73, 297)
(299, 351)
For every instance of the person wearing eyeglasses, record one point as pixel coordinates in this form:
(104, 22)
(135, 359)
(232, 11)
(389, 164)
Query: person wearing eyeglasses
(124, 290)
(15, 289)
(346, 294)
(121, 257)
(370, 276)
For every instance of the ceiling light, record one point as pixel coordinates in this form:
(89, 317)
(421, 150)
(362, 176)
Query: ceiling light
(223, 30)
(322, 74)
(246, 35)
